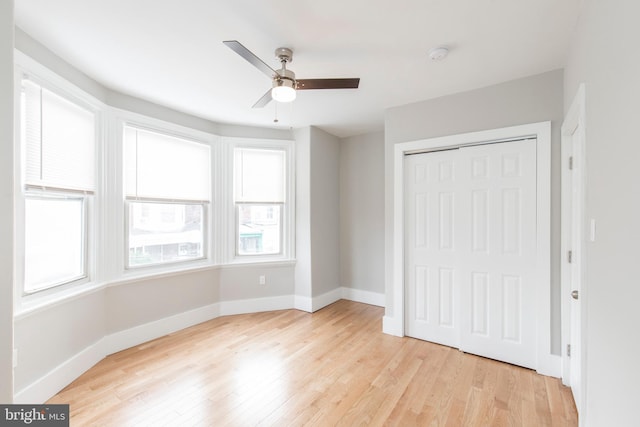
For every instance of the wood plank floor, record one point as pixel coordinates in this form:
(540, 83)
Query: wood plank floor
(331, 368)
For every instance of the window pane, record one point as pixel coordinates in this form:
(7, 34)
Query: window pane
(59, 140)
(259, 175)
(259, 229)
(54, 241)
(165, 167)
(165, 232)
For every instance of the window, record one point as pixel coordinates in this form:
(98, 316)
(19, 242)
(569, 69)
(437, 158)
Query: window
(259, 198)
(58, 145)
(167, 189)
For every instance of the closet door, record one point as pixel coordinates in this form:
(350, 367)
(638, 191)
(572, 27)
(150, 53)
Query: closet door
(470, 249)
(432, 246)
(498, 318)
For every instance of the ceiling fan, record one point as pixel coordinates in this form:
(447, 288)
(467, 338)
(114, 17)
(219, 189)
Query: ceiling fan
(284, 82)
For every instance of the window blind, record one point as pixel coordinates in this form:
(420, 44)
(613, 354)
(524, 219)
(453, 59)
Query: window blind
(259, 175)
(59, 139)
(165, 167)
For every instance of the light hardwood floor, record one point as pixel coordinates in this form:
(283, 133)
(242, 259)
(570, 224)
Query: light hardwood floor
(332, 367)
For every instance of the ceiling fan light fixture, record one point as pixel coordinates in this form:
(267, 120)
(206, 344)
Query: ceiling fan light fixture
(283, 90)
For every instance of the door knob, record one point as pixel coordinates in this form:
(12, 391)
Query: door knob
(574, 294)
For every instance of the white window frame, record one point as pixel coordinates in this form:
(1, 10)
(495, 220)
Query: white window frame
(287, 240)
(119, 199)
(25, 67)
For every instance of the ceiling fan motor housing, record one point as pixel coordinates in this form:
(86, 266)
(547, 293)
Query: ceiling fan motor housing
(285, 78)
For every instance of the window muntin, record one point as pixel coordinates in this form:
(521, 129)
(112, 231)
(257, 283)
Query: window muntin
(58, 138)
(167, 190)
(259, 198)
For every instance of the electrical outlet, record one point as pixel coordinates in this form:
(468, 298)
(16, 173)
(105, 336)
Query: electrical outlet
(262, 280)
(15, 357)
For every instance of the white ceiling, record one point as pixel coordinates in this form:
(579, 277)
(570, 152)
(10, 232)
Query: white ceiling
(171, 52)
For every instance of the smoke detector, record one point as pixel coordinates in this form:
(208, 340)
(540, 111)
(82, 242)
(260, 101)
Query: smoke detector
(438, 53)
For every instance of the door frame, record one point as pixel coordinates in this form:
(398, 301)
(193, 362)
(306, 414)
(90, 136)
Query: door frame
(575, 118)
(393, 322)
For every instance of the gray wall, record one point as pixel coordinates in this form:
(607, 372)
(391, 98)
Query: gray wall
(51, 337)
(610, 292)
(133, 304)
(533, 99)
(317, 213)
(362, 212)
(303, 213)
(325, 211)
(6, 201)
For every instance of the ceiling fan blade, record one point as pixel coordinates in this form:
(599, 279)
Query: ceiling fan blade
(305, 84)
(239, 48)
(266, 98)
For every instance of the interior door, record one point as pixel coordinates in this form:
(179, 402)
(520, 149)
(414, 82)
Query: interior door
(470, 249)
(431, 247)
(576, 266)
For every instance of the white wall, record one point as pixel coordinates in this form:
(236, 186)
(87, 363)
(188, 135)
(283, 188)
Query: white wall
(362, 212)
(533, 99)
(611, 292)
(6, 201)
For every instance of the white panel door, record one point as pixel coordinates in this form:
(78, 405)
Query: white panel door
(474, 289)
(431, 248)
(498, 317)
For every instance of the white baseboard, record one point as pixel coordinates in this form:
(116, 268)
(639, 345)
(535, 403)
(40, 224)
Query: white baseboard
(365, 297)
(303, 303)
(256, 305)
(393, 326)
(137, 335)
(58, 378)
(550, 365)
(326, 299)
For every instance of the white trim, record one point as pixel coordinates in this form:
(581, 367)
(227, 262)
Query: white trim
(137, 335)
(326, 299)
(303, 303)
(289, 208)
(394, 324)
(575, 117)
(365, 297)
(58, 378)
